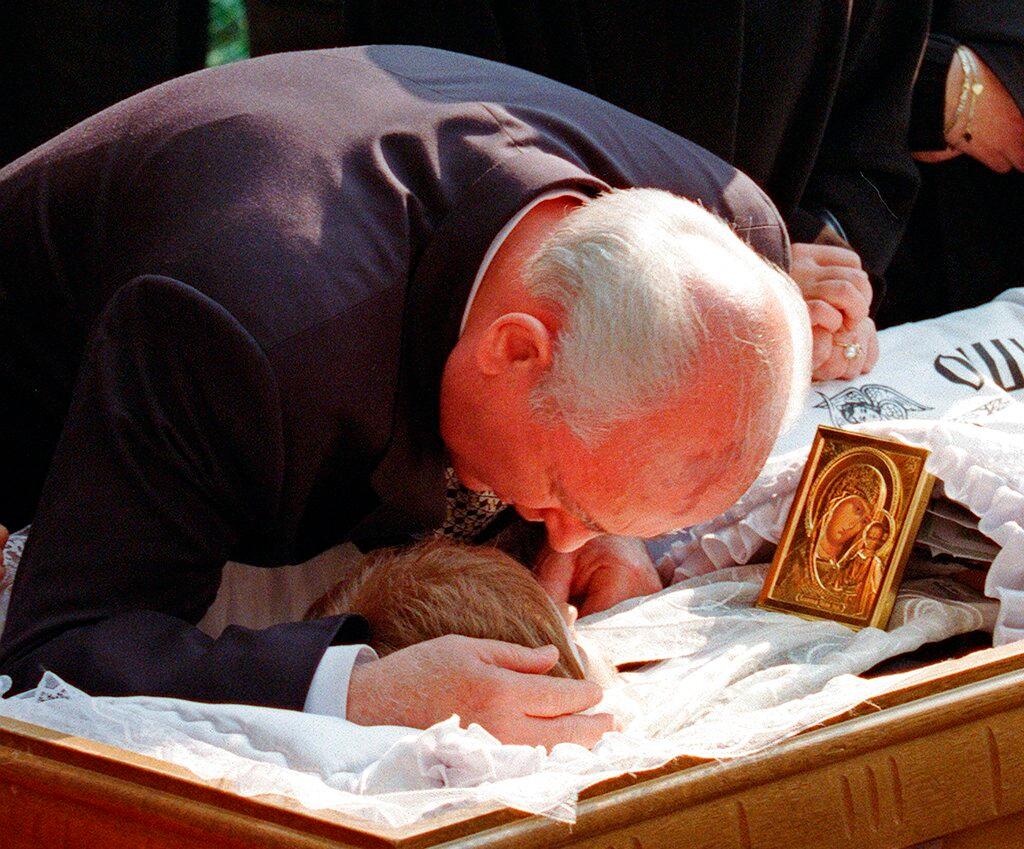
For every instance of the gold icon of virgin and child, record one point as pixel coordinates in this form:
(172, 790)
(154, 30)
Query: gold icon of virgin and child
(848, 535)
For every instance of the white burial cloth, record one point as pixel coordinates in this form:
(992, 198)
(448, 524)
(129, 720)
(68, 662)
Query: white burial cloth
(730, 679)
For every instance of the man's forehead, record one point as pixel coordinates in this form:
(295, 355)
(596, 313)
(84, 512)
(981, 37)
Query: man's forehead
(664, 472)
(639, 503)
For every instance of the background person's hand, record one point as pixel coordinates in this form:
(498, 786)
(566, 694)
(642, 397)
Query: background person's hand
(837, 365)
(996, 128)
(4, 536)
(600, 574)
(499, 686)
(838, 293)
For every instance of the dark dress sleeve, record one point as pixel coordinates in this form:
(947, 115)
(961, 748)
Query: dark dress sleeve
(960, 249)
(864, 175)
(927, 118)
(170, 456)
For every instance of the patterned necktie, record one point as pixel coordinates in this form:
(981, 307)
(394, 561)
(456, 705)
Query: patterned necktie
(467, 513)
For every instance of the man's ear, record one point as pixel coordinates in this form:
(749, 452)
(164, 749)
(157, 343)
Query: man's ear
(515, 341)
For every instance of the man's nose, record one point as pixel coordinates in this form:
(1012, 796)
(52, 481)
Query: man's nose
(566, 533)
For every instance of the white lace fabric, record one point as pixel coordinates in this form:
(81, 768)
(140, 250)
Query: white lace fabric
(725, 679)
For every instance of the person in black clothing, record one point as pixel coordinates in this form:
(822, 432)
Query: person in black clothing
(962, 246)
(63, 61)
(811, 98)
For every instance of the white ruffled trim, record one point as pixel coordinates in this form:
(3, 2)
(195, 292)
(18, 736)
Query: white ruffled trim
(979, 467)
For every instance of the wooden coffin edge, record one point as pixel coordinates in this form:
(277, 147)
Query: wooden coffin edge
(920, 705)
(920, 770)
(933, 679)
(169, 798)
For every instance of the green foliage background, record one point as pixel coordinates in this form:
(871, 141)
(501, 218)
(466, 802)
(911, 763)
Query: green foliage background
(229, 33)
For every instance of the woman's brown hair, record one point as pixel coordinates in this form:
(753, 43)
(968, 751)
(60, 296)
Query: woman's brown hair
(410, 595)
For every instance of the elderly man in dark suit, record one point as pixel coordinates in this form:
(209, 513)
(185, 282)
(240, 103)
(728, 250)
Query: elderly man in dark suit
(266, 308)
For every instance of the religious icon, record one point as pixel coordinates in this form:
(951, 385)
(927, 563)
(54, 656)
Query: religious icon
(850, 529)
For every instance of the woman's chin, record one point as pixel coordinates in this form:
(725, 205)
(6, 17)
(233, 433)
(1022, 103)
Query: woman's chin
(595, 665)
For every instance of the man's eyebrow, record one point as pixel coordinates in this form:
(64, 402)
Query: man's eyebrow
(574, 509)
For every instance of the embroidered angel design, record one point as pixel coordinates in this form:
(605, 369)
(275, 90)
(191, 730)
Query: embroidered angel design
(871, 402)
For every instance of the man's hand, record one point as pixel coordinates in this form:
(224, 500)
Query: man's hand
(996, 128)
(838, 296)
(599, 575)
(499, 686)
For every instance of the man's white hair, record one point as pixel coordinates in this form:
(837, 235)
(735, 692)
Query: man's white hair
(645, 283)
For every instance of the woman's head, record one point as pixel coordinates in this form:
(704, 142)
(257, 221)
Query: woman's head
(410, 595)
(845, 518)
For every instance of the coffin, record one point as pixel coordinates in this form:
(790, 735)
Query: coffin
(941, 756)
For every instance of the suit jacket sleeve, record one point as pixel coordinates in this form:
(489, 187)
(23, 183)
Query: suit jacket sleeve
(171, 453)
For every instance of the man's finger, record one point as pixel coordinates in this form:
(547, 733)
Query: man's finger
(836, 255)
(872, 357)
(519, 658)
(583, 730)
(4, 536)
(844, 296)
(826, 372)
(822, 341)
(544, 695)
(824, 315)
(862, 282)
(833, 367)
(856, 276)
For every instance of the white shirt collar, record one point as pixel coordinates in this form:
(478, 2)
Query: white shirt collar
(500, 239)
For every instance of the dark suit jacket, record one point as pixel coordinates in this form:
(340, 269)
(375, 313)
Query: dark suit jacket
(810, 98)
(270, 261)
